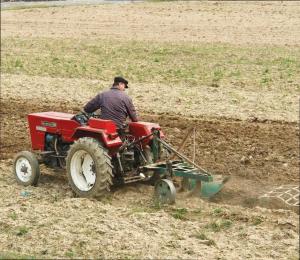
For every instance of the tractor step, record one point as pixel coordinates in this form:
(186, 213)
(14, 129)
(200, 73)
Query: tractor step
(132, 179)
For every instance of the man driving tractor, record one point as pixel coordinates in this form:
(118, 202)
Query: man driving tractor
(95, 157)
(114, 103)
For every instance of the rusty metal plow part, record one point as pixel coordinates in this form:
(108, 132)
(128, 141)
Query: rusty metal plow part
(289, 194)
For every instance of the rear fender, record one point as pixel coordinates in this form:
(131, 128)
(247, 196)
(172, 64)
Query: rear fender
(142, 129)
(108, 140)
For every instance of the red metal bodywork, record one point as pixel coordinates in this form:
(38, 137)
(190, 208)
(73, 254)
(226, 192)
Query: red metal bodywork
(60, 124)
(64, 125)
(141, 129)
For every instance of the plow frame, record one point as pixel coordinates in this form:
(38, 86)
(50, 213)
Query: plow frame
(178, 169)
(193, 176)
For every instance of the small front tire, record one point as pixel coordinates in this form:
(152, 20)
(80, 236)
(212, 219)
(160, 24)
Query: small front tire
(26, 168)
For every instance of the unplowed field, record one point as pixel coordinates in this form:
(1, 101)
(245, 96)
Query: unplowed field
(254, 139)
(232, 22)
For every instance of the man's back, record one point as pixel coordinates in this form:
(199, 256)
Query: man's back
(115, 105)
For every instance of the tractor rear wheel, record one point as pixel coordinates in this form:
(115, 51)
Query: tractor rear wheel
(26, 168)
(89, 168)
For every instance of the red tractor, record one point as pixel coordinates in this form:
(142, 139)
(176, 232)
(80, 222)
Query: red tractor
(96, 155)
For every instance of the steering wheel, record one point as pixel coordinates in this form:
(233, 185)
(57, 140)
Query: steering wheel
(94, 115)
(86, 115)
(82, 117)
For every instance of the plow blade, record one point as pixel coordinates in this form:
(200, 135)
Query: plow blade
(207, 189)
(204, 189)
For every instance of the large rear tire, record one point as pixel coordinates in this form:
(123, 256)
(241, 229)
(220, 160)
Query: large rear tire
(89, 168)
(26, 168)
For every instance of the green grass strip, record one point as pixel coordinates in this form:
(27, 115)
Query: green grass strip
(15, 255)
(200, 63)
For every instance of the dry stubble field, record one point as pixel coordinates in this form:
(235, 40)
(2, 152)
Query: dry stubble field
(231, 69)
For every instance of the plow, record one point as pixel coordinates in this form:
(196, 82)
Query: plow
(97, 156)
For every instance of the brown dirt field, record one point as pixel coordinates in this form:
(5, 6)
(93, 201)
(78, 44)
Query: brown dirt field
(254, 148)
(257, 155)
(129, 226)
(257, 152)
(235, 22)
(256, 142)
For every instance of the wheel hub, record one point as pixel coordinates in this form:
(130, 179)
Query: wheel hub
(165, 191)
(83, 170)
(23, 169)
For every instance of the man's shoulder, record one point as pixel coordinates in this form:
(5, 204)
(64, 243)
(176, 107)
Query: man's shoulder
(117, 93)
(125, 96)
(107, 92)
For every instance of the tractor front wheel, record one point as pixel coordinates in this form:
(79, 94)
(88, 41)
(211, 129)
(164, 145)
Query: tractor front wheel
(26, 168)
(89, 168)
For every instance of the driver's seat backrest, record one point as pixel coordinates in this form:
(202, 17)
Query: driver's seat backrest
(108, 125)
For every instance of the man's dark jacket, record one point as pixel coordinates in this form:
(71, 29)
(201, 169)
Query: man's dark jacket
(115, 105)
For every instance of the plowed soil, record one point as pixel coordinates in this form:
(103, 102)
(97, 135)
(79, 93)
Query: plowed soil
(48, 222)
(256, 152)
(257, 155)
(256, 143)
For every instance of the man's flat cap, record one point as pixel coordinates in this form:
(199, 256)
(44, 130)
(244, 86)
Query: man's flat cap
(121, 80)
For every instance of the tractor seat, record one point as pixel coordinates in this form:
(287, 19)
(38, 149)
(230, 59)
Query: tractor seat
(108, 125)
